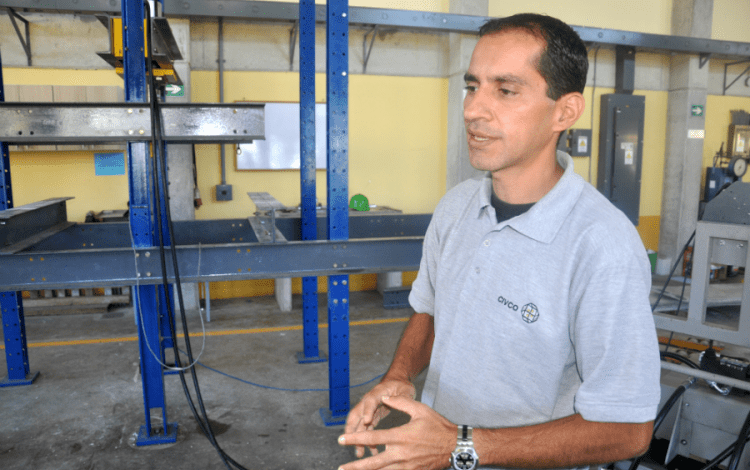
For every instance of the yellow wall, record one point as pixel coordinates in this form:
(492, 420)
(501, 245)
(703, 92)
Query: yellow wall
(729, 21)
(43, 175)
(397, 141)
(645, 16)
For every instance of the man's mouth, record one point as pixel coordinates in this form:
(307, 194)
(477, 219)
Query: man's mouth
(478, 137)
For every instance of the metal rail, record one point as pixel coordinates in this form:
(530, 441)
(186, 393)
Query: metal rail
(399, 19)
(65, 123)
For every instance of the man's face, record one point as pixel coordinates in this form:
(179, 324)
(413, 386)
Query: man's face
(508, 116)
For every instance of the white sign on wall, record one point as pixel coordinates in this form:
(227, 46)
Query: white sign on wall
(280, 149)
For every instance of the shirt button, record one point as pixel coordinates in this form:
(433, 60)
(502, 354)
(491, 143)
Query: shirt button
(477, 270)
(486, 243)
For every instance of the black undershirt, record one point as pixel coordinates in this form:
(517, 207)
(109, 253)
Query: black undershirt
(505, 211)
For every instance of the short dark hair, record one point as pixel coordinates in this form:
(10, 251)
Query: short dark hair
(564, 62)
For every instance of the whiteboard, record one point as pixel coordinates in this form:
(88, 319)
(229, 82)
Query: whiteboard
(280, 149)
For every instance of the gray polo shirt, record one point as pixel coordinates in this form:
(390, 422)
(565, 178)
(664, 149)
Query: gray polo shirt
(541, 316)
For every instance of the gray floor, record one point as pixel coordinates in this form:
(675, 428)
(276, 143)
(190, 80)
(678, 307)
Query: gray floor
(87, 404)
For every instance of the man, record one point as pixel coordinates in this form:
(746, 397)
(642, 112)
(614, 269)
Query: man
(531, 301)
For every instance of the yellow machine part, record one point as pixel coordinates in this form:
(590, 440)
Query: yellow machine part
(115, 31)
(163, 72)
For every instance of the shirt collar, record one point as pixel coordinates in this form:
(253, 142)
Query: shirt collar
(546, 217)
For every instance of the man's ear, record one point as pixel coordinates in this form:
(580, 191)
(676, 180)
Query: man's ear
(568, 109)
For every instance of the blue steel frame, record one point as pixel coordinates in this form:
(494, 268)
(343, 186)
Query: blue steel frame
(11, 304)
(311, 352)
(149, 300)
(337, 88)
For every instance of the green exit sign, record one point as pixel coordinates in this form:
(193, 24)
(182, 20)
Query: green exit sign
(696, 110)
(175, 90)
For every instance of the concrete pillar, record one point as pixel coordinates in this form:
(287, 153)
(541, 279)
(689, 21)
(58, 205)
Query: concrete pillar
(459, 55)
(683, 163)
(180, 157)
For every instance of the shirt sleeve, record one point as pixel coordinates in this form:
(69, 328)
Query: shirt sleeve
(422, 295)
(614, 334)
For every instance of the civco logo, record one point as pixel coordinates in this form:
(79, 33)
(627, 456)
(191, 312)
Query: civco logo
(529, 313)
(507, 303)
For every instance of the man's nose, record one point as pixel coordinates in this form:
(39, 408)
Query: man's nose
(475, 106)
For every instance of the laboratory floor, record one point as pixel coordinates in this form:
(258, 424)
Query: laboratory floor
(86, 406)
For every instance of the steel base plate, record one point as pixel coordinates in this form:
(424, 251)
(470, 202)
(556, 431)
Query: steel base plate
(30, 378)
(167, 438)
(330, 420)
(301, 359)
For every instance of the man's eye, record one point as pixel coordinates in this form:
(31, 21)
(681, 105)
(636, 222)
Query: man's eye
(507, 92)
(470, 88)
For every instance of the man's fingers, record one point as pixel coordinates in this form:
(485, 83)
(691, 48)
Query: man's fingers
(370, 412)
(368, 438)
(402, 403)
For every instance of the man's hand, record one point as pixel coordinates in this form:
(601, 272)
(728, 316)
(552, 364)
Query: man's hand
(424, 443)
(371, 409)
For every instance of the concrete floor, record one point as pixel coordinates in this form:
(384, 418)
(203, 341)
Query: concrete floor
(87, 405)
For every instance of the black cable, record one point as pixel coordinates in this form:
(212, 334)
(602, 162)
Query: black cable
(156, 146)
(669, 341)
(739, 445)
(671, 272)
(160, 164)
(723, 455)
(679, 391)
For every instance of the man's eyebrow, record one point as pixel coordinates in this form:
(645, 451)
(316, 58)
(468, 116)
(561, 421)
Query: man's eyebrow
(468, 78)
(510, 79)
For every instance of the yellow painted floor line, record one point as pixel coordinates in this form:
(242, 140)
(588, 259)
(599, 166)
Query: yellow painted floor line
(243, 331)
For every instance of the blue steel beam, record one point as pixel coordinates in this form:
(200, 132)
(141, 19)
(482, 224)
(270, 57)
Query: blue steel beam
(146, 298)
(200, 263)
(309, 231)
(23, 225)
(224, 231)
(337, 89)
(11, 304)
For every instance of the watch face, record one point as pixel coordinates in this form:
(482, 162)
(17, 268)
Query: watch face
(464, 461)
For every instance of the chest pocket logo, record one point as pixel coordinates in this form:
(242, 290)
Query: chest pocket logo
(529, 313)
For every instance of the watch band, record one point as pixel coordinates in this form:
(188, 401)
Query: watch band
(465, 435)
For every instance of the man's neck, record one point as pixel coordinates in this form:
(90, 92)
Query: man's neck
(525, 185)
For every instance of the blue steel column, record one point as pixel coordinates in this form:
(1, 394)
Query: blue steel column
(11, 304)
(142, 228)
(337, 80)
(310, 335)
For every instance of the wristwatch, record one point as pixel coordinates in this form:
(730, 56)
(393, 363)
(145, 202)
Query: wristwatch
(464, 457)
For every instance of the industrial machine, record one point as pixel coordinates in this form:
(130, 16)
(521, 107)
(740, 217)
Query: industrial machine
(727, 168)
(712, 415)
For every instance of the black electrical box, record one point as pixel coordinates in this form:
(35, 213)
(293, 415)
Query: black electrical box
(621, 151)
(575, 142)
